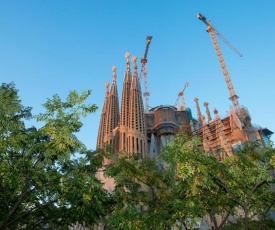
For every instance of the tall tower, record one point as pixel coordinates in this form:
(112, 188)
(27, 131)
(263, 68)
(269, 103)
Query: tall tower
(102, 124)
(198, 111)
(137, 138)
(207, 111)
(112, 113)
(124, 110)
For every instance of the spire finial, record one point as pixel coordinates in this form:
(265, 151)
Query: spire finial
(198, 111)
(207, 111)
(107, 89)
(216, 113)
(114, 73)
(106, 85)
(127, 55)
(134, 60)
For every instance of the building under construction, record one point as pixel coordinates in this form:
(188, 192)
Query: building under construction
(133, 128)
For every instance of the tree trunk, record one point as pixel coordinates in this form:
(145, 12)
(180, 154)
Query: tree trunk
(245, 218)
(223, 221)
(213, 219)
(185, 227)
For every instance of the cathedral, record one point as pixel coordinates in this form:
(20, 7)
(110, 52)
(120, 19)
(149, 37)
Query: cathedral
(132, 129)
(124, 127)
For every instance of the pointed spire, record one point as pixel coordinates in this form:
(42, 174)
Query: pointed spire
(113, 90)
(216, 113)
(127, 73)
(112, 112)
(107, 89)
(114, 74)
(124, 109)
(198, 111)
(135, 80)
(127, 55)
(207, 111)
(105, 138)
(137, 141)
(220, 132)
(102, 124)
(203, 120)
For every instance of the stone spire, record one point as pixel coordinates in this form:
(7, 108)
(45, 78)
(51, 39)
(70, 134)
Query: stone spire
(137, 139)
(205, 134)
(220, 132)
(104, 135)
(207, 111)
(203, 120)
(102, 124)
(124, 109)
(216, 113)
(112, 113)
(198, 111)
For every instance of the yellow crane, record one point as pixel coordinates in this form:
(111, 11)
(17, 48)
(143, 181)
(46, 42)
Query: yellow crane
(181, 95)
(143, 73)
(212, 32)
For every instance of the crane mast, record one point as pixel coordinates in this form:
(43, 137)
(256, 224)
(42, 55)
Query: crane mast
(181, 95)
(212, 32)
(143, 73)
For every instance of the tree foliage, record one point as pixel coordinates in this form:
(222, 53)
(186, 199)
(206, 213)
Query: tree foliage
(184, 184)
(140, 194)
(238, 184)
(41, 183)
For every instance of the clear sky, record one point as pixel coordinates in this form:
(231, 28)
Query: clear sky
(49, 47)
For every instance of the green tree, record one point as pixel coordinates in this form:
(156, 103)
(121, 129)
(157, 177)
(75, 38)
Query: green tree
(238, 183)
(41, 183)
(191, 167)
(185, 184)
(135, 192)
(148, 197)
(247, 178)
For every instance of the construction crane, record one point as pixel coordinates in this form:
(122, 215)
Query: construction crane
(181, 95)
(143, 73)
(212, 31)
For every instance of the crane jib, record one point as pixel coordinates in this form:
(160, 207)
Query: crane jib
(212, 32)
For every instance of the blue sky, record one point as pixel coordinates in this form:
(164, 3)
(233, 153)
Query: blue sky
(49, 47)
